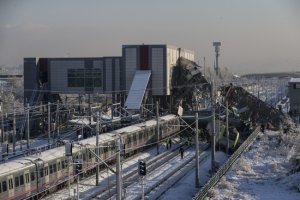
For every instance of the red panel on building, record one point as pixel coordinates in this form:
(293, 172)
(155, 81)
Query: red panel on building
(144, 57)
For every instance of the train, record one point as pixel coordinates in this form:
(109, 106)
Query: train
(35, 175)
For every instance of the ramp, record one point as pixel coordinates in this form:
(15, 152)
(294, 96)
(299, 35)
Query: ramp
(137, 90)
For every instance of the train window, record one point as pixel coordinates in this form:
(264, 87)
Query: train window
(27, 178)
(141, 136)
(58, 166)
(105, 148)
(50, 169)
(128, 140)
(54, 167)
(22, 180)
(32, 176)
(4, 186)
(46, 171)
(90, 155)
(10, 184)
(134, 139)
(42, 173)
(63, 164)
(17, 181)
(66, 163)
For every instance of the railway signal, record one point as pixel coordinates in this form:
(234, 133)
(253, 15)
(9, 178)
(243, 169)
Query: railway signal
(142, 168)
(78, 167)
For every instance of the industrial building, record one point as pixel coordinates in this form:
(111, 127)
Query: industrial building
(46, 78)
(294, 94)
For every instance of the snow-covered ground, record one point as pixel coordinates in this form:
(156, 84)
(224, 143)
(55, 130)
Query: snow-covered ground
(183, 189)
(265, 171)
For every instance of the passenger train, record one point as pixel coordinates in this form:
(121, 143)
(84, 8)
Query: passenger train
(35, 175)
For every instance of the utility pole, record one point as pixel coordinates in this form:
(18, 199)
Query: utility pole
(57, 118)
(157, 125)
(118, 169)
(2, 124)
(49, 124)
(14, 130)
(90, 109)
(204, 66)
(197, 154)
(227, 131)
(28, 133)
(97, 149)
(213, 136)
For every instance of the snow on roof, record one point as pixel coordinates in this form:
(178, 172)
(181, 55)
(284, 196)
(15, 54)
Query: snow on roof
(294, 80)
(14, 165)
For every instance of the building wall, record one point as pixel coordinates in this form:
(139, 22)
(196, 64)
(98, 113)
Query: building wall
(161, 60)
(109, 67)
(58, 75)
(158, 70)
(294, 94)
(130, 61)
(30, 77)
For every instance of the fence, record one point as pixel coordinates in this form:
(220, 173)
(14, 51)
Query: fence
(218, 175)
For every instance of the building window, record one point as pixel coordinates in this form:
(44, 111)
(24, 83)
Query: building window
(85, 78)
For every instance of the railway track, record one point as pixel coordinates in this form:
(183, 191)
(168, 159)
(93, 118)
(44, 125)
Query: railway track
(153, 166)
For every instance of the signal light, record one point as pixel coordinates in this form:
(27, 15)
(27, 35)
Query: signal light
(142, 168)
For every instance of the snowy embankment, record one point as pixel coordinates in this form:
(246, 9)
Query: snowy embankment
(266, 171)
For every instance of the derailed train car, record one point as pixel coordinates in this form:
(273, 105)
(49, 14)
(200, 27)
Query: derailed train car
(36, 175)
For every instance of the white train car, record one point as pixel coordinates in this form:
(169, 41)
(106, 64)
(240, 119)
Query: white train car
(34, 175)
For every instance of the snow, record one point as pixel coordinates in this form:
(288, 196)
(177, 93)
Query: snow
(183, 189)
(264, 171)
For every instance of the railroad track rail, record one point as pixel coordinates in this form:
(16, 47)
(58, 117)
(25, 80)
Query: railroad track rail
(152, 166)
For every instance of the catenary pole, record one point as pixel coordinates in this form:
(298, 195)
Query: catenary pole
(14, 130)
(49, 124)
(197, 153)
(213, 137)
(28, 128)
(157, 125)
(97, 149)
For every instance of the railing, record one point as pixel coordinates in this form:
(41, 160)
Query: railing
(218, 175)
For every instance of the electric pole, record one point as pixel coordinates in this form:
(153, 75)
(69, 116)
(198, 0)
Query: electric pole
(2, 124)
(14, 130)
(197, 153)
(97, 149)
(57, 118)
(49, 125)
(227, 131)
(28, 133)
(213, 136)
(157, 126)
(118, 169)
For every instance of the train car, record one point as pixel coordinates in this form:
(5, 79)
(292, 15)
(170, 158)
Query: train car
(34, 175)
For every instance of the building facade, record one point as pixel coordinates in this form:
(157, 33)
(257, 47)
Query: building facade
(71, 75)
(106, 75)
(294, 94)
(160, 59)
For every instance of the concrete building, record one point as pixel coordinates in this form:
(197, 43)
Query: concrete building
(70, 75)
(46, 78)
(294, 94)
(160, 59)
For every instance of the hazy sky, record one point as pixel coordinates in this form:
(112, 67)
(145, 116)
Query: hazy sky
(256, 35)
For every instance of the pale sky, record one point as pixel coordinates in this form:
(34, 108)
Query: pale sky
(256, 35)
